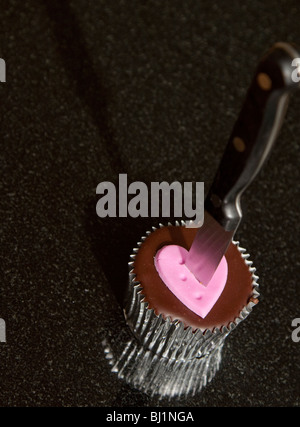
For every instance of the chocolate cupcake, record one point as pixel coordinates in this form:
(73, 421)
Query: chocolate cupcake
(172, 341)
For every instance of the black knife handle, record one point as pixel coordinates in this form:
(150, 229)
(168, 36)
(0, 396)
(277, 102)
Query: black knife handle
(253, 134)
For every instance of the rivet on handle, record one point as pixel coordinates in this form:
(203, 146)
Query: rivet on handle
(239, 144)
(264, 81)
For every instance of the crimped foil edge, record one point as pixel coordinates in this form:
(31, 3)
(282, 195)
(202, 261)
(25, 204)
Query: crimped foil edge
(168, 337)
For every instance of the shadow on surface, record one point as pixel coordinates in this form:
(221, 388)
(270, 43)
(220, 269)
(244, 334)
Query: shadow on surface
(90, 86)
(112, 241)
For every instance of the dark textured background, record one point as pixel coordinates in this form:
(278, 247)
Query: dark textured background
(151, 89)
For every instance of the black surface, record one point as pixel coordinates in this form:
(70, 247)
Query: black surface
(151, 89)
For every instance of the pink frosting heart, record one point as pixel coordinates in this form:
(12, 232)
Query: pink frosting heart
(170, 265)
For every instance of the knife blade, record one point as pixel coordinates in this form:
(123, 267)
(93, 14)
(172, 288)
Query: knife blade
(249, 145)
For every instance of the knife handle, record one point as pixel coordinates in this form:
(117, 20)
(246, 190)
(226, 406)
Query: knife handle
(253, 134)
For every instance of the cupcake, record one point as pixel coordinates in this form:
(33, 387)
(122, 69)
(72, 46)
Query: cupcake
(174, 351)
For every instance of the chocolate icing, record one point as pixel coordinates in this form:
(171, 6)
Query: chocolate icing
(236, 294)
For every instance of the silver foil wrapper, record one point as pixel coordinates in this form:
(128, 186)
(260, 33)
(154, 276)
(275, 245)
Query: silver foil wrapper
(163, 357)
(160, 376)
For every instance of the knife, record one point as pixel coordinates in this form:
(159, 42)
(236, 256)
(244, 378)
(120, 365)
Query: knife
(251, 140)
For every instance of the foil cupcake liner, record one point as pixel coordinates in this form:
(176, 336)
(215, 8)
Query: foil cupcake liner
(163, 357)
(159, 376)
